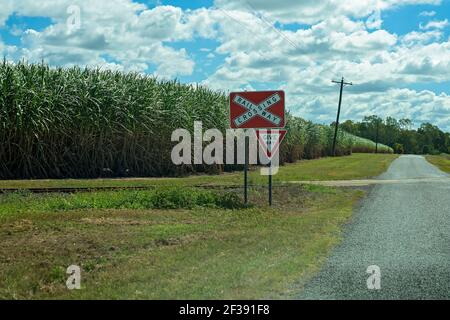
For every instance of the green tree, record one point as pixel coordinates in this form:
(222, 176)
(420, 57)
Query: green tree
(428, 138)
(398, 148)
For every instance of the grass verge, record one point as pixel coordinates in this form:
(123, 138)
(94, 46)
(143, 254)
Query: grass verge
(201, 253)
(442, 162)
(356, 166)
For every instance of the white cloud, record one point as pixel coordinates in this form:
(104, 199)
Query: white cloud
(160, 23)
(415, 38)
(6, 11)
(427, 14)
(129, 33)
(374, 21)
(422, 106)
(435, 25)
(313, 11)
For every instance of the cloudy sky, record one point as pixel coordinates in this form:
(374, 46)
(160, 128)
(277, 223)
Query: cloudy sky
(396, 52)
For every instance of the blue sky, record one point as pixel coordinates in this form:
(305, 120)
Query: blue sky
(400, 65)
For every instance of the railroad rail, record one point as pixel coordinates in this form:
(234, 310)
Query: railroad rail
(100, 189)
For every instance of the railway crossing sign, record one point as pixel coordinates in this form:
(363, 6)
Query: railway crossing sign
(270, 140)
(257, 109)
(262, 110)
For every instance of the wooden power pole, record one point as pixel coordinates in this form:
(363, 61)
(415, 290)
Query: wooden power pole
(342, 83)
(376, 139)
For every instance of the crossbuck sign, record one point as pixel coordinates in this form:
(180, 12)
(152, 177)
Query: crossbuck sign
(261, 109)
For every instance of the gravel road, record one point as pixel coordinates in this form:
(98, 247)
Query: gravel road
(404, 229)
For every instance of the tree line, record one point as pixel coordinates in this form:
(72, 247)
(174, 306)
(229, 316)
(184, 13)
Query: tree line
(400, 134)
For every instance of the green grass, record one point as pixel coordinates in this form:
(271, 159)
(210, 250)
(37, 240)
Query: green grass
(442, 162)
(200, 253)
(356, 166)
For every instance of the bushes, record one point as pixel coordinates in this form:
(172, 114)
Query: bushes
(429, 149)
(398, 148)
(84, 123)
(161, 198)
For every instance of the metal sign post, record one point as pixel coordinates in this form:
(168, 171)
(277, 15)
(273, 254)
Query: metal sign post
(246, 170)
(270, 141)
(270, 183)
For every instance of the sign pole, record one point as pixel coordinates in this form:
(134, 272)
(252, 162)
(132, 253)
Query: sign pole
(246, 170)
(270, 141)
(270, 183)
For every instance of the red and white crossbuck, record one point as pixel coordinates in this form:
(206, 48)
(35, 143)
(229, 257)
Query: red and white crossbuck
(260, 109)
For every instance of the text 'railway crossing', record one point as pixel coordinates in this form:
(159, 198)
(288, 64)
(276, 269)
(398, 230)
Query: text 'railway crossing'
(261, 109)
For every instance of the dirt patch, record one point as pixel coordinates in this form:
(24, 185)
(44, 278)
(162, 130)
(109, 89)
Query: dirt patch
(168, 242)
(288, 198)
(18, 226)
(116, 221)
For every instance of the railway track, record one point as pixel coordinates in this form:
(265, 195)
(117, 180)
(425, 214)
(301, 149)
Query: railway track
(100, 189)
(71, 190)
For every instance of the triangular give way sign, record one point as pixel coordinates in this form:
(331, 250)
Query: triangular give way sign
(270, 140)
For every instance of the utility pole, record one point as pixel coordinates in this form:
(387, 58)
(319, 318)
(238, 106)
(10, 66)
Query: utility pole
(342, 83)
(376, 139)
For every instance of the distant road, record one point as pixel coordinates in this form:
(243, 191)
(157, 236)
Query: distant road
(404, 229)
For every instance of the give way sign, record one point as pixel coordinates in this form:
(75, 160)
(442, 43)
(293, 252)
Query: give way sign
(270, 140)
(257, 109)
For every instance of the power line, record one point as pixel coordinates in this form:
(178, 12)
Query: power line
(247, 27)
(263, 19)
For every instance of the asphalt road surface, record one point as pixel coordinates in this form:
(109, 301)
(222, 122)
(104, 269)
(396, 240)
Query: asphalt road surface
(402, 228)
